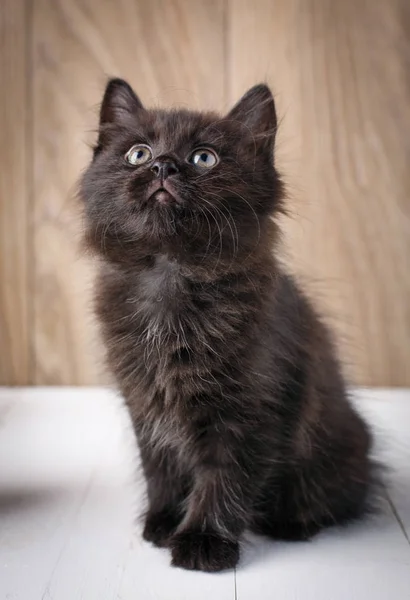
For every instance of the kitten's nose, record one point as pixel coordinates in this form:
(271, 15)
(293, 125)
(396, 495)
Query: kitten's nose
(164, 169)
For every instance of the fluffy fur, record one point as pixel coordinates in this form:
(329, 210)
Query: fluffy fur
(231, 379)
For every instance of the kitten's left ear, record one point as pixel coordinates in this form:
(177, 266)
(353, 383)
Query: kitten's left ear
(256, 110)
(119, 101)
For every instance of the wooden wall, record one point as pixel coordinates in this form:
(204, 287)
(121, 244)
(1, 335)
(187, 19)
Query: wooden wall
(340, 73)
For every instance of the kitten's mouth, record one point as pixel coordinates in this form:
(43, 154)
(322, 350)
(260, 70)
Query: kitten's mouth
(162, 195)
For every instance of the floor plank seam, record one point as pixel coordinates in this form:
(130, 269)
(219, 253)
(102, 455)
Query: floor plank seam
(398, 518)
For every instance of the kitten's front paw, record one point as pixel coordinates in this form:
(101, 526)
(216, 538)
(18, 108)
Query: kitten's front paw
(159, 527)
(203, 552)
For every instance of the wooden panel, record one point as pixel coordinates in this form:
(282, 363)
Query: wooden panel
(14, 206)
(170, 54)
(340, 73)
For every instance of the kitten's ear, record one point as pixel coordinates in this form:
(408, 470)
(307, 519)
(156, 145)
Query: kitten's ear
(256, 110)
(119, 101)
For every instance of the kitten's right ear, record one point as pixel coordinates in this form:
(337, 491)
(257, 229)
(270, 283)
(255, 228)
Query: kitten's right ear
(119, 102)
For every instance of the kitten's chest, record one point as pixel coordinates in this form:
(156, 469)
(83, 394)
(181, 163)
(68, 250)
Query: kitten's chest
(169, 336)
(168, 332)
(161, 293)
(163, 277)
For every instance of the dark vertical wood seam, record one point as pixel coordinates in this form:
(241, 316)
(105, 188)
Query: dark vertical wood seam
(29, 166)
(226, 25)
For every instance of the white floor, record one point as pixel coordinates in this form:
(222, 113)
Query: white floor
(68, 501)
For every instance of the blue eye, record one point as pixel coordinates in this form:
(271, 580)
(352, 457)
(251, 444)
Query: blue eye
(204, 158)
(138, 155)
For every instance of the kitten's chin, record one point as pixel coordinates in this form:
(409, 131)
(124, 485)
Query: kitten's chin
(163, 197)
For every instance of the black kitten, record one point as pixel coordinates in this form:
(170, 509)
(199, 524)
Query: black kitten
(231, 379)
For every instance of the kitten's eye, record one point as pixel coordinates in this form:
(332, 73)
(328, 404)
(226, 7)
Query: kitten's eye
(204, 158)
(138, 155)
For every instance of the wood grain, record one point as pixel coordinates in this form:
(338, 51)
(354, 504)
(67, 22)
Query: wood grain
(171, 55)
(340, 73)
(14, 195)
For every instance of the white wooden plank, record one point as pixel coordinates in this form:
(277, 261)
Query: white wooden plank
(53, 446)
(57, 436)
(33, 533)
(364, 561)
(389, 412)
(367, 560)
(69, 456)
(74, 452)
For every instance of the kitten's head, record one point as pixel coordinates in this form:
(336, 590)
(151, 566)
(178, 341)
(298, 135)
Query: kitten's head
(190, 184)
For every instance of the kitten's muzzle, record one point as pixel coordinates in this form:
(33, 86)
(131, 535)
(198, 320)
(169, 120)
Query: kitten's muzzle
(162, 192)
(163, 169)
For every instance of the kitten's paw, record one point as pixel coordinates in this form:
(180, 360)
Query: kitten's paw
(203, 552)
(159, 527)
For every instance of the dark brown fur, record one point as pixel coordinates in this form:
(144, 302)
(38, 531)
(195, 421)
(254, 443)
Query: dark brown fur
(236, 396)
